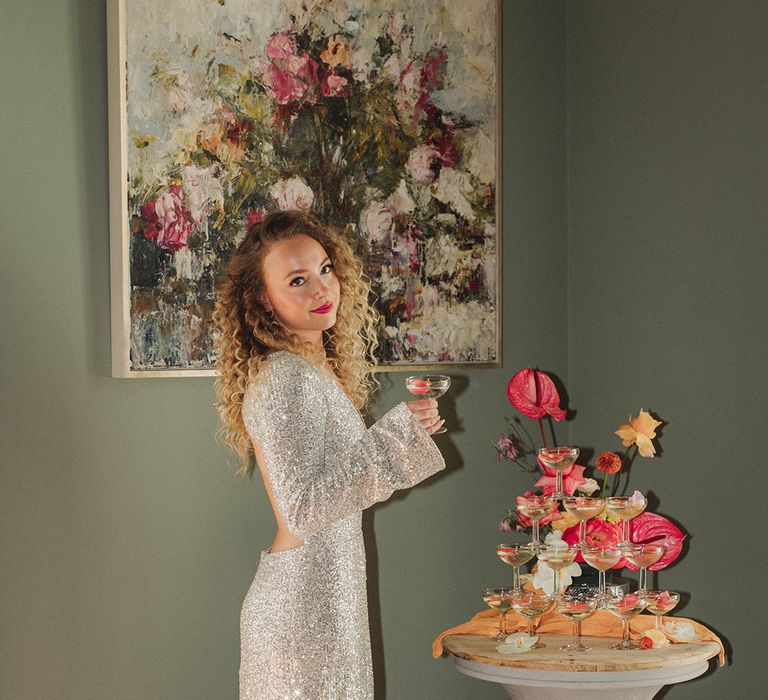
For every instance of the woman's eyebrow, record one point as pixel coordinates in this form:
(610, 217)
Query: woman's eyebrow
(296, 272)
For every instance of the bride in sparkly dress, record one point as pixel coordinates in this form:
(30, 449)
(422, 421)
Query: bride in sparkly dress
(296, 340)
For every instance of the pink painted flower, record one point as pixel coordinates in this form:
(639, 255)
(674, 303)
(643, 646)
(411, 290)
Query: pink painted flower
(334, 85)
(280, 47)
(292, 193)
(168, 221)
(433, 69)
(573, 477)
(281, 86)
(600, 533)
(252, 217)
(421, 164)
(656, 529)
(505, 525)
(533, 394)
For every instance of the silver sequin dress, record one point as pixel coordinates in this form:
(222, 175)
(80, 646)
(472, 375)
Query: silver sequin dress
(304, 622)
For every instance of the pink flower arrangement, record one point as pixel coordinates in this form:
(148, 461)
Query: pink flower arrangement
(167, 220)
(534, 394)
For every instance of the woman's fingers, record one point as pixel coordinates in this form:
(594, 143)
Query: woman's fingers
(425, 411)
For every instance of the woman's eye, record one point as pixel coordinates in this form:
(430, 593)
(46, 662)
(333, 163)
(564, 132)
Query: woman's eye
(297, 281)
(326, 269)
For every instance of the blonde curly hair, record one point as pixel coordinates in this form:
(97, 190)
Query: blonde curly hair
(247, 333)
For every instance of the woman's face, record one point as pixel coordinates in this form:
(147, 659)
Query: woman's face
(301, 286)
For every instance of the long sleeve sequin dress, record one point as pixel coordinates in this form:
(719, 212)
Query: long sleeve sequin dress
(304, 622)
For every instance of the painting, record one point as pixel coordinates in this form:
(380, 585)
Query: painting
(380, 117)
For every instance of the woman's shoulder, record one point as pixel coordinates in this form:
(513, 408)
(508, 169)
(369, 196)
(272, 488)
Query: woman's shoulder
(281, 367)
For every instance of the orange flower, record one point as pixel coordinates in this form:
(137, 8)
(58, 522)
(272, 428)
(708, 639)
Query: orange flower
(609, 462)
(336, 54)
(646, 642)
(640, 431)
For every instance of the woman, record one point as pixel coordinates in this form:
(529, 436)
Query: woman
(295, 355)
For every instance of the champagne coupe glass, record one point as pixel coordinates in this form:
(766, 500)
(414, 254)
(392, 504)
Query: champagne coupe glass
(602, 559)
(499, 599)
(558, 459)
(625, 607)
(531, 605)
(583, 508)
(626, 508)
(557, 558)
(535, 508)
(515, 555)
(429, 386)
(660, 603)
(576, 608)
(643, 556)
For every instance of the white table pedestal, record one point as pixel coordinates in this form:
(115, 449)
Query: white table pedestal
(602, 673)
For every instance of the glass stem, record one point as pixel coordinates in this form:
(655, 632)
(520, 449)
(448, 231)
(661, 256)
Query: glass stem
(583, 533)
(658, 622)
(625, 631)
(536, 533)
(601, 581)
(501, 622)
(558, 482)
(516, 578)
(642, 578)
(575, 633)
(625, 530)
(556, 590)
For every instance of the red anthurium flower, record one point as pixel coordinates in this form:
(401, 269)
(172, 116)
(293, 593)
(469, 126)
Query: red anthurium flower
(534, 395)
(650, 527)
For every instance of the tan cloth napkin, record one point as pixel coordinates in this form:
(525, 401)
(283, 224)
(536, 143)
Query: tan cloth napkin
(600, 624)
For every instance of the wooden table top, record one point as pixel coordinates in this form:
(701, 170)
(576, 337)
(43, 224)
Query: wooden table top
(599, 658)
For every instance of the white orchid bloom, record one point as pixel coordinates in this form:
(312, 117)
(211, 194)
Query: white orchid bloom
(588, 487)
(681, 631)
(544, 578)
(517, 643)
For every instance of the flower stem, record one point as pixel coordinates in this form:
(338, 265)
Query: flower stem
(543, 436)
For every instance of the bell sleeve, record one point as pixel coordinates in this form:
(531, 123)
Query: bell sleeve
(286, 411)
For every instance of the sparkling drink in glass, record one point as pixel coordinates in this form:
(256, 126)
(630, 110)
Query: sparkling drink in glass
(499, 599)
(659, 603)
(531, 606)
(625, 607)
(643, 556)
(516, 555)
(535, 508)
(584, 508)
(558, 459)
(429, 386)
(625, 508)
(557, 558)
(602, 559)
(576, 608)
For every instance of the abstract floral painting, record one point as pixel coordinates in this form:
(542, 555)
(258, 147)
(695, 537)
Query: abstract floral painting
(378, 116)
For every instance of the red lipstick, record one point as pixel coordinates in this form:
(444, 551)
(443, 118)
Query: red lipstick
(324, 309)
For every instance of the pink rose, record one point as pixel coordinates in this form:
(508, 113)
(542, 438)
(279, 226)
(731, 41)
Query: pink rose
(280, 47)
(168, 221)
(534, 394)
(600, 533)
(421, 164)
(334, 85)
(281, 86)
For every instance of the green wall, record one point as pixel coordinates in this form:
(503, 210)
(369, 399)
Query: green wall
(667, 175)
(127, 543)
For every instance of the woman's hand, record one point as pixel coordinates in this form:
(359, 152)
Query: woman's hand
(425, 411)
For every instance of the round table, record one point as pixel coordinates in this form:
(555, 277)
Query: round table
(600, 673)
